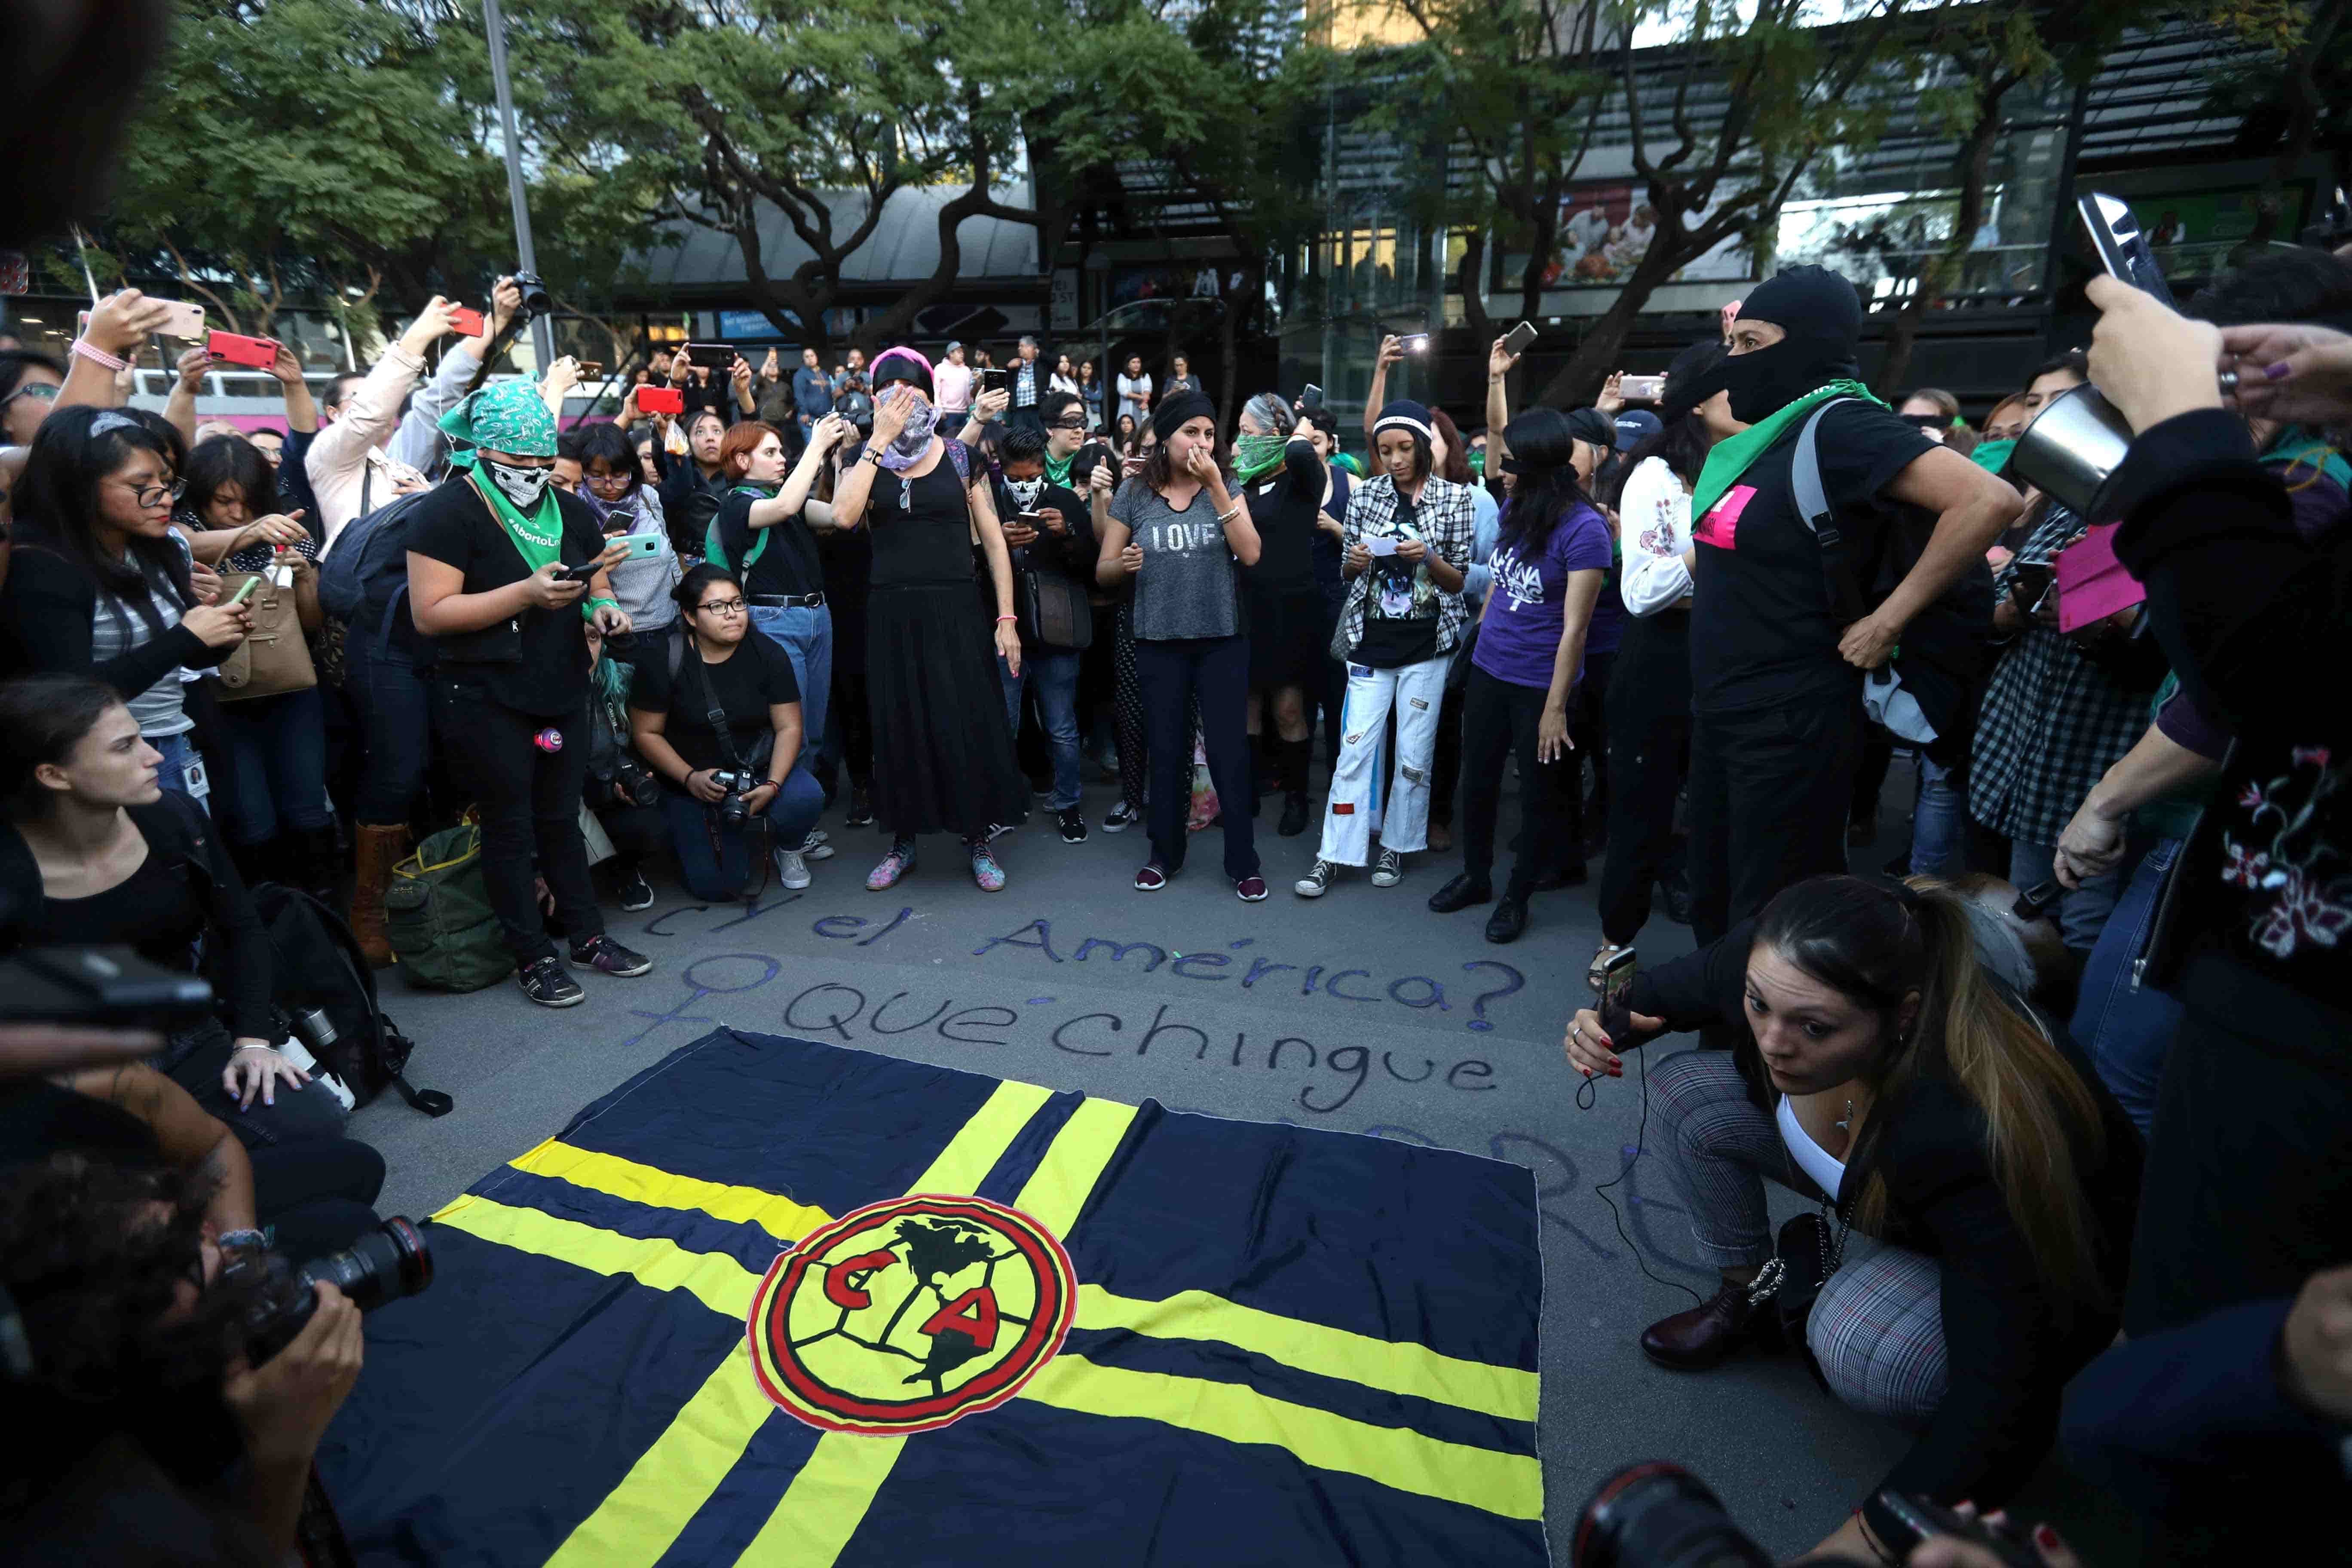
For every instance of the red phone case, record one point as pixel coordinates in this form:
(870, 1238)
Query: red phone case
(466, 323)
(259, 353)
(661, 400)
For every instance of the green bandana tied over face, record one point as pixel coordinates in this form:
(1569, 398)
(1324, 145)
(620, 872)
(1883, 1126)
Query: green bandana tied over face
(1255, 455)
(1731, 456)
(509, 416)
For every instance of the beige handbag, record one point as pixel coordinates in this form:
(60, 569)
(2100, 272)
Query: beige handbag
(274, 658)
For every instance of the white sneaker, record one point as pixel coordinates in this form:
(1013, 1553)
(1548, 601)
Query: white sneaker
(1388, 868)
(792, 868)
(813, 847)
(1317, 881)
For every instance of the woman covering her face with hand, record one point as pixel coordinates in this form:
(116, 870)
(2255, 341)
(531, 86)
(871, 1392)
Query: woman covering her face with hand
(1178, 533)
(1977, 1183)
(943, 759)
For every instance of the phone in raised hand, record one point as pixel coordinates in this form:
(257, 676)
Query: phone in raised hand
(1414, 342)
(2122, 245)
(1642, 388)
(182, 319)
(1521, 337)
(465, 321)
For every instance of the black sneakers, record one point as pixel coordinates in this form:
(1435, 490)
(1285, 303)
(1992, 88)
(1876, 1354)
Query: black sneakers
(1073, 824)
(603, 952)
(544, 981)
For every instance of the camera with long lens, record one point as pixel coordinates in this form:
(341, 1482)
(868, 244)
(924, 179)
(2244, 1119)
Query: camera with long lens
(634, 783)
(733, 810)
(1656, 1514)
(386, 1264)
(536, 302)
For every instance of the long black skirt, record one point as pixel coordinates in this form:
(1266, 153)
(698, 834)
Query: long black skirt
(1290, 635)
(943, 758)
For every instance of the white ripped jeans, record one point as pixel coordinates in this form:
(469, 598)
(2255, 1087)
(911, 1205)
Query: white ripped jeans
(1416, 692)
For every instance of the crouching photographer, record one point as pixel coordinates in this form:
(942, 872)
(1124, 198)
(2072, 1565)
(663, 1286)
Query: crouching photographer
(1891, 1070)
(179, 1377)
(718, 714)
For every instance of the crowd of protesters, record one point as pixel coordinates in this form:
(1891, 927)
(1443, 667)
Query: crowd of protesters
(2069, 1059)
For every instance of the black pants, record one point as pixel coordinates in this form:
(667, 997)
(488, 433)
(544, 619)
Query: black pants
(1769, 794)
(1588, 725)
(849, 726)
(1649, 731)
(1500, 722)
(316, 1196)
(1446, 762)
(1173, 675)
(530, 802)
(2247, 1189)
(1870, 776)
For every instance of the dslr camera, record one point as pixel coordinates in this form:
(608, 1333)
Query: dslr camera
(1656, 1514)
(633, 781)
(733, 810)
(388, 1263)
(536, 300)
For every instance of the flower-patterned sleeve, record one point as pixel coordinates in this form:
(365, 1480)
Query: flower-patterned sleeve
(1653, 515)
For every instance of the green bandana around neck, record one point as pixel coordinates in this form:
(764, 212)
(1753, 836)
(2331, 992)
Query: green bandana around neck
(1732, 456)
(1255, 455)
(1993, 456)
(1057, 470)
(539, 538)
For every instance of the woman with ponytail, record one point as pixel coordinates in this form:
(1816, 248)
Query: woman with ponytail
(1978, 1182)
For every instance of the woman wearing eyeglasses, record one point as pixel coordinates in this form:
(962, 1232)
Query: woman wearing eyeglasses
(615, 488)
(29, 384)
(98, 583)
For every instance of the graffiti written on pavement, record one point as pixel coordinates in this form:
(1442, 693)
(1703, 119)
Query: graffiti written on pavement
(1418, 992)
(1333, 1075)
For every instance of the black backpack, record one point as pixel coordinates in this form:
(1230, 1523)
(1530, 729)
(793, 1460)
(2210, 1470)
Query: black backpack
(318, 964)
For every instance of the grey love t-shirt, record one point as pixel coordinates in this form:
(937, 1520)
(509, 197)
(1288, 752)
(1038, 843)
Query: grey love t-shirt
(1186, 586)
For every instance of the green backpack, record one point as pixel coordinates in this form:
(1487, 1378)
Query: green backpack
(437, 913)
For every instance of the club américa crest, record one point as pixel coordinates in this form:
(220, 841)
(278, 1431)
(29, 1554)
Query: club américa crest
(910, 1313)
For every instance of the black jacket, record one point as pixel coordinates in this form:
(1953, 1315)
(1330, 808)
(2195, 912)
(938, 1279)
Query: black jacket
(2258, 623)
(47, 612)
(2010, 1343)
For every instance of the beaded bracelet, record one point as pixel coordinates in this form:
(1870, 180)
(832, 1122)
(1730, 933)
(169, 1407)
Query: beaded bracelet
(82, 347)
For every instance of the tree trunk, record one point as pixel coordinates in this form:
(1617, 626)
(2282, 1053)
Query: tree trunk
(2299, 88)
(1253, 287)
(1579, 381)
(1975, 167)
(1470, 277)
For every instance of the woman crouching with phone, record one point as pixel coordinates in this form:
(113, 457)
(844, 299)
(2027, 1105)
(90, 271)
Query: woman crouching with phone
(719, 784)
(1977, 1183)
(505, 573)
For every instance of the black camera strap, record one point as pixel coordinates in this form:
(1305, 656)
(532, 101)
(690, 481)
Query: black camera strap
(735, 765)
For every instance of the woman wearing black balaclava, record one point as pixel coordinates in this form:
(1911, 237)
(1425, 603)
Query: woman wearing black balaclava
(1777, 652)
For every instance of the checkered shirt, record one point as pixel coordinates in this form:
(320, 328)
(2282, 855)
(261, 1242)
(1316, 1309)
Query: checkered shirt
(2052, 720)
(1447, 520)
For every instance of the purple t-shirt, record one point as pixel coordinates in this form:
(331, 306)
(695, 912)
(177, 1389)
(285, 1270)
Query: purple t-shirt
(1520, 636)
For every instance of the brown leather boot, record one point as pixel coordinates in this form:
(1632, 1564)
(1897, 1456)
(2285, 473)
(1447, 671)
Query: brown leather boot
(380, 849)
(1707, 1334)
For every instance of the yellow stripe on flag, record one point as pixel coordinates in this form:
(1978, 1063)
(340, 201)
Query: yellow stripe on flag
(982, 1142)
(779, 1215)
(1391, 1365)
(715, 1279)
(1074, 1163)
(827, 1502)
(1510, 1485)
(813, 1523)
(640, 1519)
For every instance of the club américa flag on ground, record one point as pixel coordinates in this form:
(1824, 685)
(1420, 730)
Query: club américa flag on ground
(774, 1302)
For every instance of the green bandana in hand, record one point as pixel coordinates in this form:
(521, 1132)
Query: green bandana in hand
(1255, 455)
(1733, 455)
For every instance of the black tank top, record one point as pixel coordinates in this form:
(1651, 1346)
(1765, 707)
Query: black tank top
(922, 527)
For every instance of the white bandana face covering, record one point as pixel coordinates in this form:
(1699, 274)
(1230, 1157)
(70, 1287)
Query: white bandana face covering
(1027, 492)
(521, 486)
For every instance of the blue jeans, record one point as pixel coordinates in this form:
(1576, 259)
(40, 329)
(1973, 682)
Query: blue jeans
(182, 769)
(806, 636)
(2127, 1032)
(716, 863)
(395, 717)
(2081, 912)
(1054, 673)
(279, 747)
(1938, 819)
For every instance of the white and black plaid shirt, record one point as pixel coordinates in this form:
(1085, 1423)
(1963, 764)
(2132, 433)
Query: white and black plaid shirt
(1446, 517)
(2053, 722)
